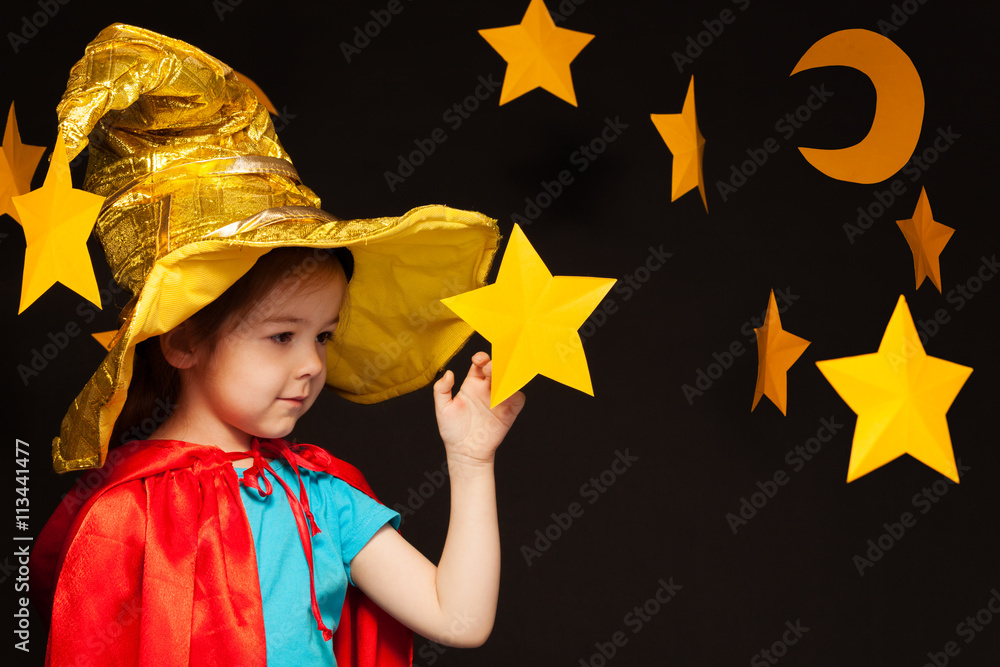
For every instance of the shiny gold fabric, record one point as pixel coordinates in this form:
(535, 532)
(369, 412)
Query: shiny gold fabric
(198, 187)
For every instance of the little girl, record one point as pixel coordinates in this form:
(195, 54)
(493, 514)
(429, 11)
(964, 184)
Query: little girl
(216, 541)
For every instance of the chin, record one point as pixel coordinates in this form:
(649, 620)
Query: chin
(272, 433)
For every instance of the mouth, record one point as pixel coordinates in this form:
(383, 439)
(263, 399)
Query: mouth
(295, 400)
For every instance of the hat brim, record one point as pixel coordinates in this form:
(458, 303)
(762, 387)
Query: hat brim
(396, 337)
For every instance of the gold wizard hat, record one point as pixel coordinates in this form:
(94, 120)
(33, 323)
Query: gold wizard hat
(198, 187)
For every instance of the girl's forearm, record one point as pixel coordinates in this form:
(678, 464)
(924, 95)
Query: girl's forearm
(468, 574)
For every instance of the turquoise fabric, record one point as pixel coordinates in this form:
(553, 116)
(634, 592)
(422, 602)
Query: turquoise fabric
(347, 519)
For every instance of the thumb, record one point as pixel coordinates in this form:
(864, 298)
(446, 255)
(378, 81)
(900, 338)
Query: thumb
(442, 391)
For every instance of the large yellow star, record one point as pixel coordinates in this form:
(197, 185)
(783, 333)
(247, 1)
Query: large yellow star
(777, 350)
(531, 318)
(901, 396)
(17, 165)
(57, 221)
(538, 54)
(927, 239)
(681, 134)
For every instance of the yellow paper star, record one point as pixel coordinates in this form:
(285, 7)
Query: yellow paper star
(17, 165)
(901, 396)
(531, 318)
(538, 54)
(927, 239)
(777, 350)
(681, 134)
(57, 221)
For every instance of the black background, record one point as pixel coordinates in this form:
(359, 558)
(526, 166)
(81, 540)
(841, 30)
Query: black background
(344, 124)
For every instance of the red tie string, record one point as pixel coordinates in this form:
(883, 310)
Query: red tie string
(304, 520)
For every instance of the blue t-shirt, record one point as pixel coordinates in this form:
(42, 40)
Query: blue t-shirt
(347, 519)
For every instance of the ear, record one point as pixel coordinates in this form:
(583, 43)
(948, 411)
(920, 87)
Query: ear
(176, 347)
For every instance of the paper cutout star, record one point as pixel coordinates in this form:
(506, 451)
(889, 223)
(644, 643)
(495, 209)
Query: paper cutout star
(57, 220)
(681, 134)
(927, 239)
(777, 351)
(531, 318)
(901, 396)
(105, 338)
(538, 54)
(17, 165)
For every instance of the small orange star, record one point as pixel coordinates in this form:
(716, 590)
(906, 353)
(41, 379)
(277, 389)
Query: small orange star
(17, 165)
(681, 134)
(106, 338)
(538, 54)
(777, 351)
(57, 219)
(927, 239)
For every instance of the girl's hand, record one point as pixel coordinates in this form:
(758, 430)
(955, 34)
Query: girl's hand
(470, 429)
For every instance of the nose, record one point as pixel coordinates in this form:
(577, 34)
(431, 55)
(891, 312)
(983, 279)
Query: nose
(312, 361)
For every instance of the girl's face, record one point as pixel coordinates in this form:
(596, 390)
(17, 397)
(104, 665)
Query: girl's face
(265, 374)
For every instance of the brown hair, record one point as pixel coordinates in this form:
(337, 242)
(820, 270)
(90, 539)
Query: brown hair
(155, 384)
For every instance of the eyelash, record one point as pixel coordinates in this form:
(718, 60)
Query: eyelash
(285, 337)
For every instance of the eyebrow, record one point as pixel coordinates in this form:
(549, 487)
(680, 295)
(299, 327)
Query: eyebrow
(296, 320)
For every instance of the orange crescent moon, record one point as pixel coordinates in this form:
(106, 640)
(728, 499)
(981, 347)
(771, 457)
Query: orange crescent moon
(899, 106)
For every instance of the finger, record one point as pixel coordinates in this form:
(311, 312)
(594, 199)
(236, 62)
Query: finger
(476, 368)
(442, 391)
(513, 403)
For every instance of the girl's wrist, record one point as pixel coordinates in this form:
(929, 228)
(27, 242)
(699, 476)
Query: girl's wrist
(467, 463)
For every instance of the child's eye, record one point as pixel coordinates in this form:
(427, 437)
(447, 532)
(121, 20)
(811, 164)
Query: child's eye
(324, 337)
(284, 337)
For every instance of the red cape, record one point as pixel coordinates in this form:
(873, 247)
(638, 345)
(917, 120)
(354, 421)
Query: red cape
(163, 572)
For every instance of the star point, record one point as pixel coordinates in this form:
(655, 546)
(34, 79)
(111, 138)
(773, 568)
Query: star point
(926, 238)
(18, 163)
(777, 351)
(684, 140)
(901, 396)
(538, 54)
(57, 219)
(531, 318)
